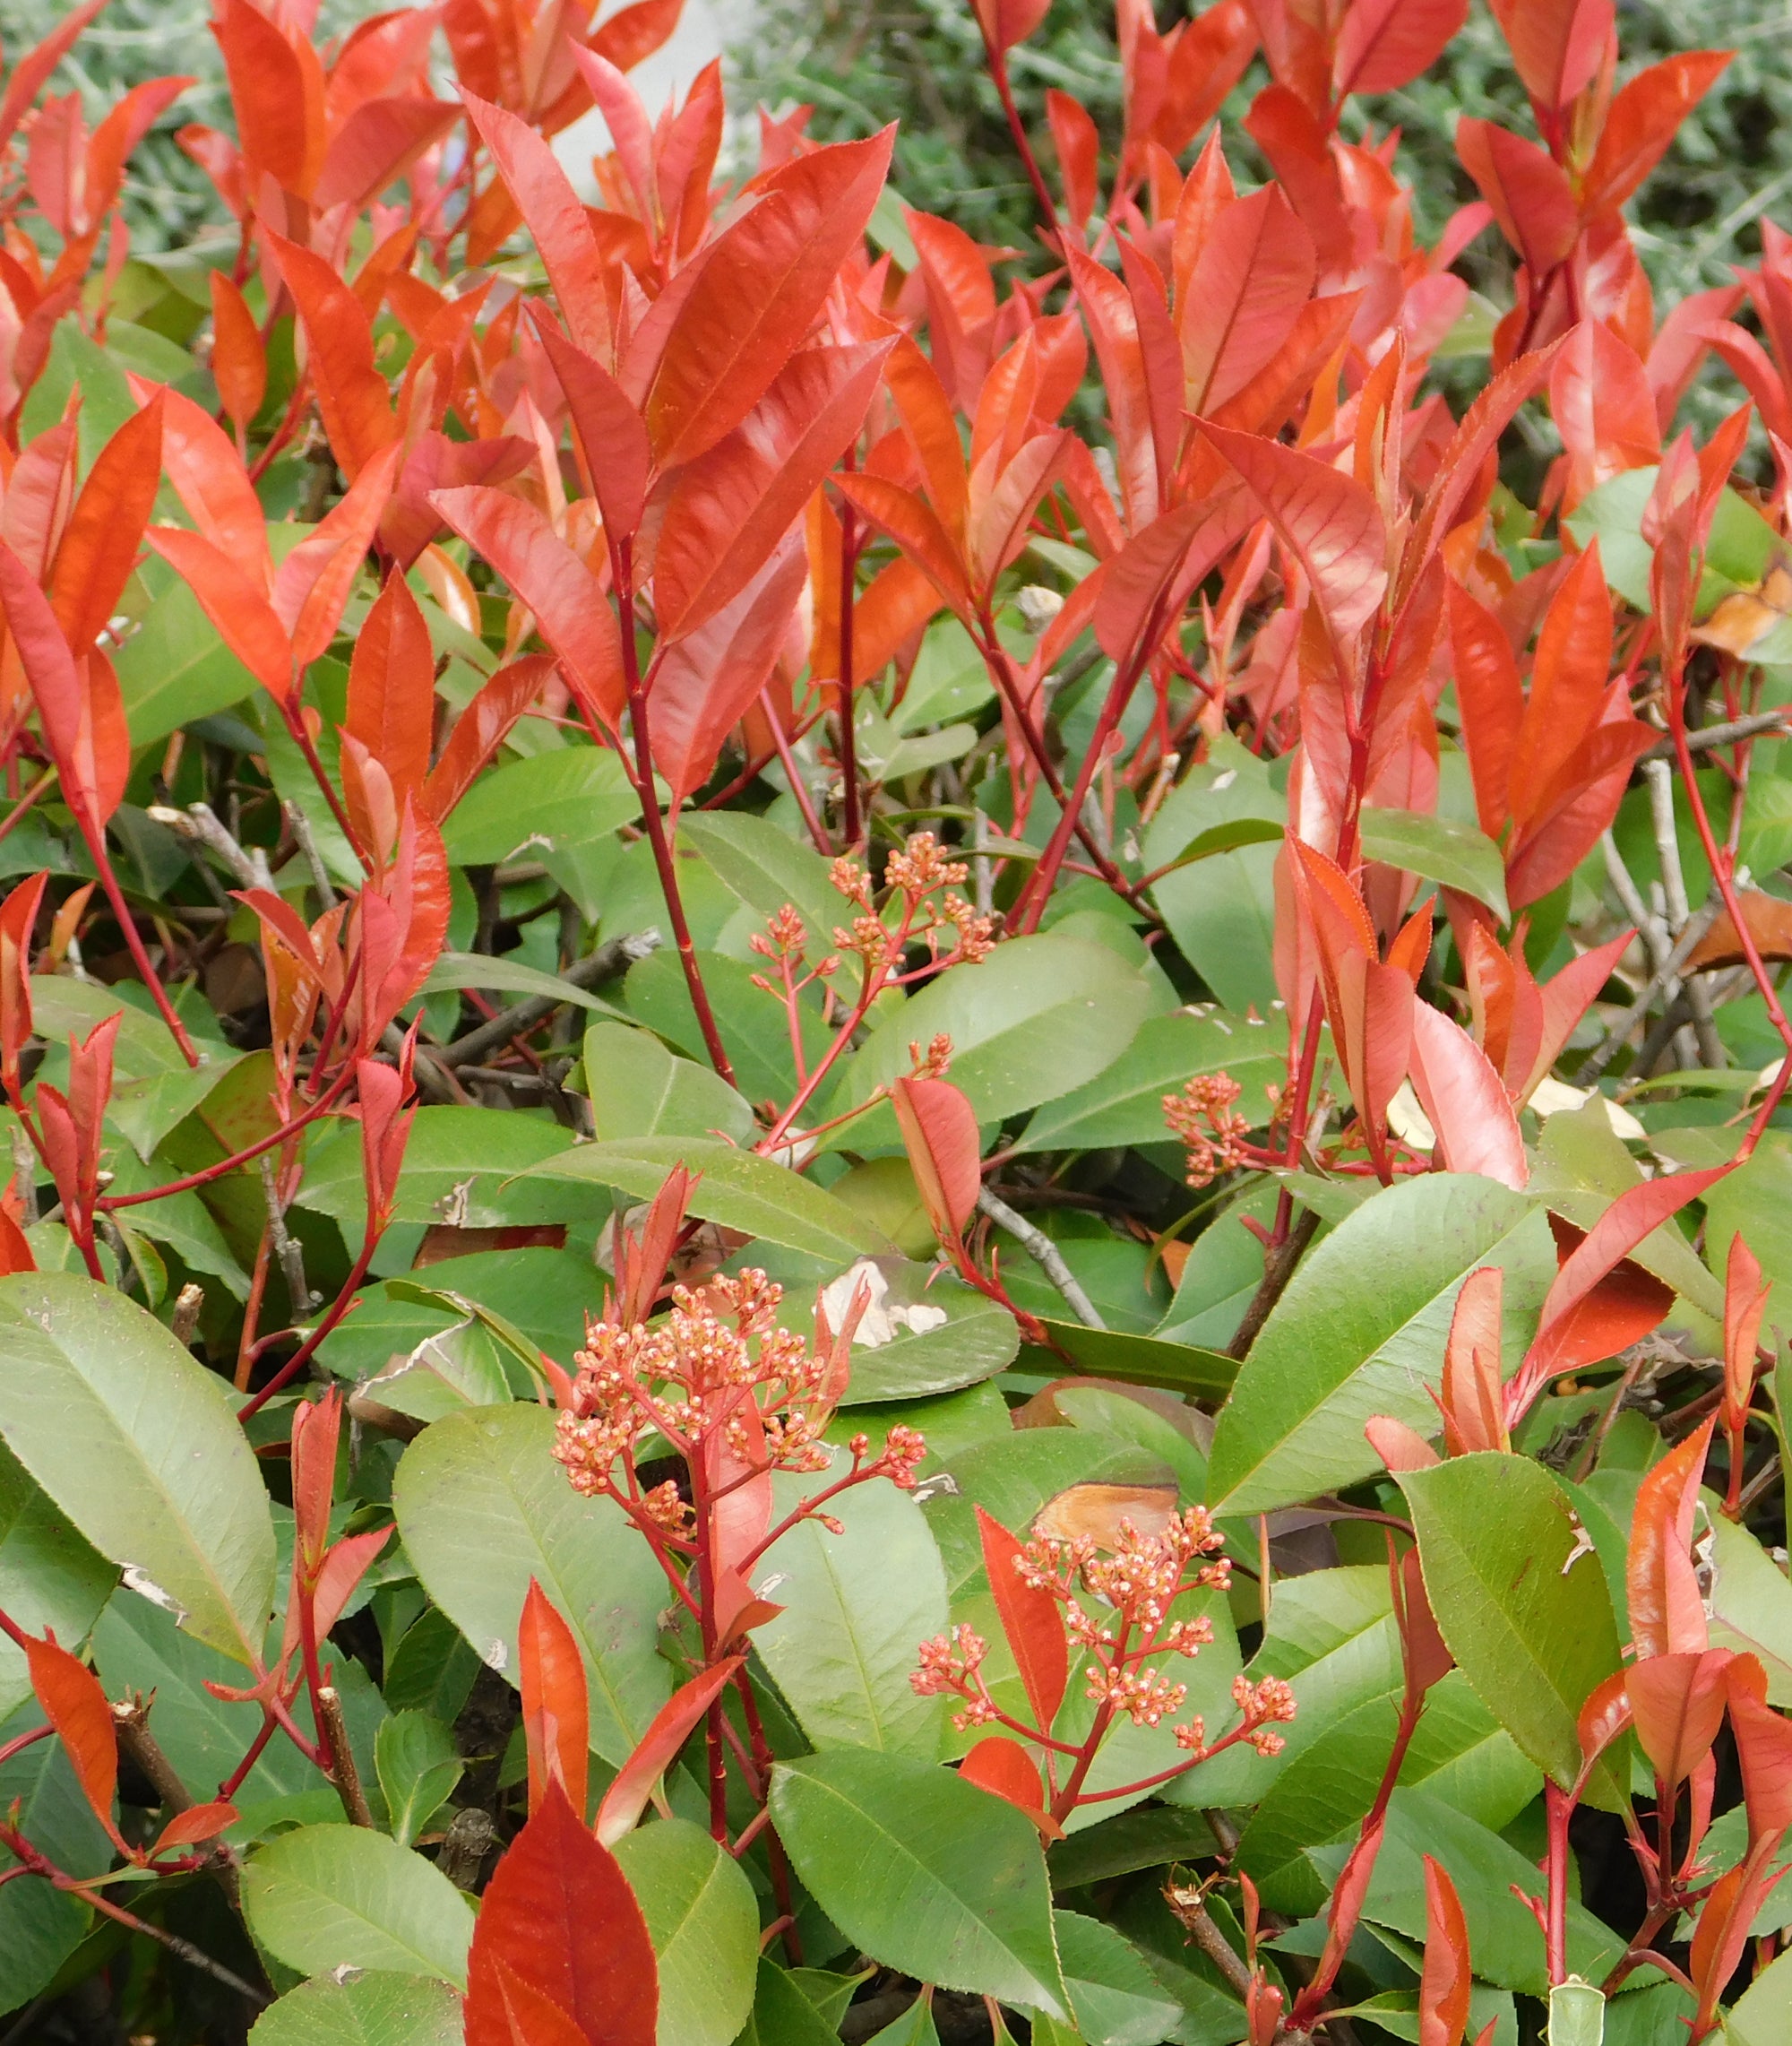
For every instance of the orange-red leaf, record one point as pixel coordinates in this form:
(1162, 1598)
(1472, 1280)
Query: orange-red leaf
(480, 729)
(1003, 1766)
(1465, 1100)
(1254, 273)
(1528, 192)
(1032, 1619)
(77, 1708)
(763, 280)
(242, 615)
(611, 432)
(240, 362)
(1556, 45)
(351, 393)
(278, 96)
(106, 528)
(559, 1914)
(1764, 1741)
(196, 1823)
(1447, 1982)
(391, 688)
(1603, 407)
(556, 1705)
(1645, 119)
(939, 1132)
(1385, 44)
(1667, 1609)
(673, 1725)
(1677, 1702)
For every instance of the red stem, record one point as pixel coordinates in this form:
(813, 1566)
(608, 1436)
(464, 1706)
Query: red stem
(850, 829)
(337, 1309)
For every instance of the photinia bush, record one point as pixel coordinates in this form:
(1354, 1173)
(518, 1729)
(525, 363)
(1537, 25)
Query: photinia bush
(896, 1129)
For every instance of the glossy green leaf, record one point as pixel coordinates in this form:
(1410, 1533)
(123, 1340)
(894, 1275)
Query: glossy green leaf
(1438, 848)
(1519, 1595)
(1360, 1332)
(1751, 1605)
(555, 800)
(377, 2008)
(738, 1188)
(460, 1168)
(638, 1088)
(482, 1507)
(325, 1897)
(418, 1767)
(704, 1921)
(49, 1576)
(1115, 1998)
(765, 869)
(1763, 2013)
(924, 1871)
(977, 1338)
(1172, 1367)
(456, 970)
(137, 1443)
(39, 1926)
(1124, 1104)
(855, 1606)
(1040, 1013)
(782, 2015)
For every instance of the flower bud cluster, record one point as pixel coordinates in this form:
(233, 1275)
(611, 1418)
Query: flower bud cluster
(1204, 1120)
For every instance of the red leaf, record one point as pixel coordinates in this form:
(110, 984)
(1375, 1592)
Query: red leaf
(351, 393)
(378, 142)
(729, 508)
(1032, 1619)
(316, 1427)
(1079, 147)
(1566, 997)
(1005, 22)
(197, 1824)
(915, 528)
(240, 362)
(99, 544)
(1003, 1766)
(1145, 586)
(706, 681)
(277, 95)
(762, 281)
(940, 1135)
(673, 1724)
(1400, 1447)
(611, 432)
(1470, 1400)
(313, 583)
(241, 614)
(1568, 685)
(1645, 119)
(556, 220)
(1206, 61)
(434, 462)
(57, 685)
(532, 2018)
(1254, 273)
(1556, 45)
(1667, 1610)
(18, 921)
(77, 1708)
(480, 729)
(1448, 1980)
(568, 603)
(559, 1914)
(209, 477)
(1385, 44)
(1677, 1702)
(1528, 192)
(391, 688)
(1465, 1100)
(1764, 1741)
(1491, 699)
(1604, 408)
(556, 1705)
(636, 32)
(1326, 519)
(1145, 461)
(32, 72)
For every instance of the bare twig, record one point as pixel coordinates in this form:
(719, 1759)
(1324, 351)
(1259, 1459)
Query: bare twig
(1618, 1036)
(188, 1305)
(1278, 1265)
(1043, 1253)
(132, 1720)
(25, 1174)
(1190, 1910)
(1705, 1042)
(1727, 734)
(615, 956)
(343, 1773)
(299, 824)
(200, 823)
(287, 1247)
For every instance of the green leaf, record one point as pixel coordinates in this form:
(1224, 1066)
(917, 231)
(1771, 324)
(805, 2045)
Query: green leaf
(39, 1926)
(415, 1756)
(978, 1339)
(1137, 1360)
(457, 1167)
(137, 1443)
(1518, 1596)
(926, 1872)
(49, 1577)
(482, 1507)
(325, 1897)
(1040, 1014)
(755, 1027)
(1360, 1332)
(378, 2008)
(782, 2015)
(454, 970)
(1228, 837)
(455, 1369)
(1125, 1103)
(704, 1921)
(738, 1190)
(1763, 2013)
(1439, 849)
(556, 800)
(855, 1606)
(638, 1088)
(1738, 553)
(1752, 1605)
(175, 668)
(765, 867)
(1113, 1997)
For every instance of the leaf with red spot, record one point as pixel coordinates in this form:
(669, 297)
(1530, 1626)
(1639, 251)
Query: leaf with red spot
(559, 1914)
(1032, 1619)
(555, 1706)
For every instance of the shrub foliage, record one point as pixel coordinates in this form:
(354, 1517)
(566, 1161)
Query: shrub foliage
(834, 1212)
